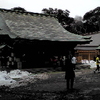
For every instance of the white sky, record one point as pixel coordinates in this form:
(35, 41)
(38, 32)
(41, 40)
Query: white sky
(76, 7)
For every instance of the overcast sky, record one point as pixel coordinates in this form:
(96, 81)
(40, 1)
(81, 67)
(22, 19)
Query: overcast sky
(76, 7)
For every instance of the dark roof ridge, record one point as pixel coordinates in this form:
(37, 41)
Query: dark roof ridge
(26, 12)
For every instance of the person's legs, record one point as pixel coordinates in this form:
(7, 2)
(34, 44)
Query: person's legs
(72, 83)
(67, 83)
(98, 67)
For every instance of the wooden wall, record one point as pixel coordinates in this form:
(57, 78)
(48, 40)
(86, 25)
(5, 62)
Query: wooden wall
(86, 54)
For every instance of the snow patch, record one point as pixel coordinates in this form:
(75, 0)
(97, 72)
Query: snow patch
(5, 79)
(92, 63)
(11, 78)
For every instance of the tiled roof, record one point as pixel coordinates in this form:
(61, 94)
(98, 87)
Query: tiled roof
(96, 39)
(36, 26)
(95, 44)
(4, 29)
(85, 48)
(98, 48)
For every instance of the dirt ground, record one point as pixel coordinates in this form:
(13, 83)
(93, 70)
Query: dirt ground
(86, 87)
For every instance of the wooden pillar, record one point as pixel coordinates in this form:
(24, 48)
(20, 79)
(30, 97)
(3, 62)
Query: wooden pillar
(98, 52)
(19, 63)
(89, 56)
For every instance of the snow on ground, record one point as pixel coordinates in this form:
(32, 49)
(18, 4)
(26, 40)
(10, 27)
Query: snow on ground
(5, 79)
(92, 63)
(24, 77)
(17, 77)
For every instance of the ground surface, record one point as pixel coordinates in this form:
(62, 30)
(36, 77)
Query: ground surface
(87, 87)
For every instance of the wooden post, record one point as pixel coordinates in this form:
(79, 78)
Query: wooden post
(19, 63)
(89, 56)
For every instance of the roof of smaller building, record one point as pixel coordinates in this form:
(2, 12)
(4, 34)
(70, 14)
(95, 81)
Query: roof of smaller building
(93, 45)
(96, 39)
(35, 26)
(85, 48)
(5, 45)
(98, 48)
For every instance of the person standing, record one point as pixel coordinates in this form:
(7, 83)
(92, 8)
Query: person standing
(74, 61)
(69, 74)
(97, 63)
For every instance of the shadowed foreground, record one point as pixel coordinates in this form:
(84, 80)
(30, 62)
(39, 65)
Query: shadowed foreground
(87, 87)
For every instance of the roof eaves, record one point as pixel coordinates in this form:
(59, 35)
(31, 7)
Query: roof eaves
(98, 48)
